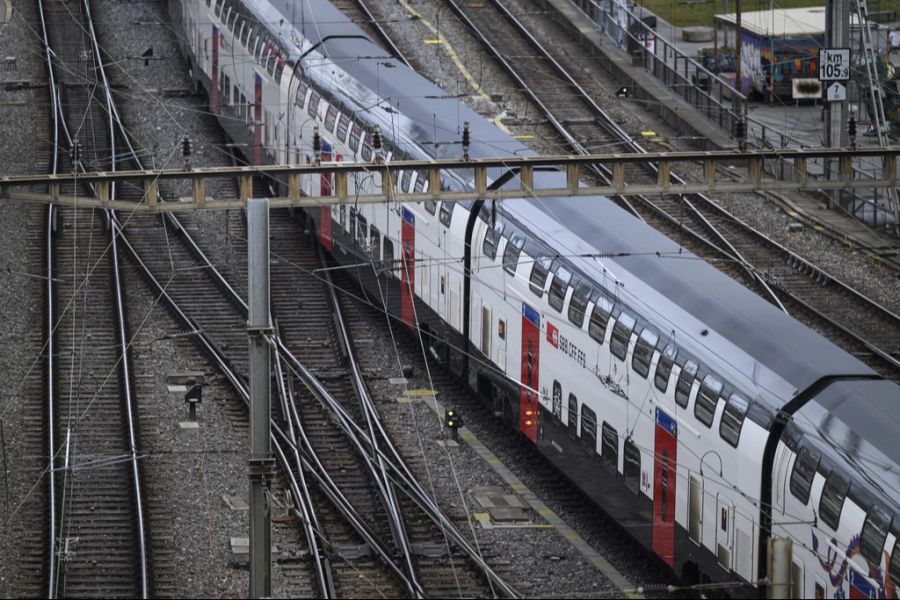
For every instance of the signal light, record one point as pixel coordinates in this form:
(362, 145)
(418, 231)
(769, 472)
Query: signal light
(529, 413)
(453, 422)
(623, 92)
(529, 423)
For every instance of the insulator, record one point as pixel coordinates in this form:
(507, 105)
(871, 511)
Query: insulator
(75, 151)
(376, 139)
(186, 147)
(466, 140)
(851, 130)
(317, 144)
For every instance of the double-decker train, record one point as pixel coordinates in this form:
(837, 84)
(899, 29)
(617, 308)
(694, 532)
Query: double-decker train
(699, 416)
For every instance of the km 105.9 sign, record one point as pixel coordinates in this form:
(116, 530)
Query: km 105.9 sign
(834, 64)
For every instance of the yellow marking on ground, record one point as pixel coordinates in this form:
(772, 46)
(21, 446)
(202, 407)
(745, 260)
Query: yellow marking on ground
(648, 133)
(818, 228)
(500, 124)
(432, 41)
(492, 460)
(421, 392)
(484, 517)
(793, 213)
(601, 563)
(467, 436)
(518, 486)
(572, 536)
(6, 17)
(449, 48)
(524, 136)
(545, 511)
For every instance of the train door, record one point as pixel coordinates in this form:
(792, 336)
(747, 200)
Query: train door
(214, 72)
(325, 233)
(781, 476)
(666, 444)
(528, 400)
(408, 267)
(695, 508)
(724, 535)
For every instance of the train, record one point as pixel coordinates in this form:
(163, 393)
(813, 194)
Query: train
(700, 417)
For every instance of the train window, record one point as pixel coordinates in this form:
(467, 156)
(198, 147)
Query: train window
(279, 68)
(446, 213)
(374, 243)
(588, 427)
(218, 10)
(572, 417)
(664, 367)
(556, 400)
(832, 502)
(707, 399)
(621, 335)
(362, 231)
(733, 419)
(330, 118)
(388, 256)
(632, 466)
(366, 153)
(603, 308)
(405, 181)
(419, 186)
(355, 134)
(491, 240)
(895, 563)
(245, 34)
(559, 287)
(578, 302)
(643, 352)
(874, 533)
(610, 451)
(302, 88)
(803, 474)
(430, 206)
(511, 253)
(313, 109)
(539, 269)
(343, 127)
(685, 383)
(352, 228)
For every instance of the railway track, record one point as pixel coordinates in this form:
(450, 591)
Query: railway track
(96, 535)
(359, 13)
(858, 323)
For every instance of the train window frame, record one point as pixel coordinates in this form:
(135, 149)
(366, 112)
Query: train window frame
(374, 242)
(419, 185)
(600, 315)
(492, 241)
(512, 251)
(733, 417)
(366, 152)
(430, 206)
(246, 32)
(572, 415)
(687, 376)
(561, 279)
(667, 358)
(642, 356)
(556, 398)
(300, 97)
(587, 427)
(579, 301)
(707, 400)
(631, 467)
(356, 132)
(446, 213)
(609, 447)
(894, 571)
(540, 268)
(330, 118)
(621, 335)
(343, 127)
(387, 258)
(313, 109)
(405, 179)
(872, 548)
(831, 502)
(217, 11)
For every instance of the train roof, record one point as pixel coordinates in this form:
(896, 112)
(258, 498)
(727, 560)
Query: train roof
(854, 425)
(426, 122)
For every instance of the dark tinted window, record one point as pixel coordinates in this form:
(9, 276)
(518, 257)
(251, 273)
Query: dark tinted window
(557, 399)
(331, 118)
(610, 448)
(685, 382)
(446, 213)
(355, 136)
(366, 152)
(643, 352)
(588, 427)
(733, 419)
(600, 318)
(374, 242)
(559, 287)
(664, 367)
(832, 502)
(632, 467)
(313, 109)
(895, 563)
(707, 399)
(621, 335)
(430, 206)
(573, 411)
(578, 303)
(874, 533)
(539, 269)
(805, 466)
(343, 126)
(511, 253)
(491, 239)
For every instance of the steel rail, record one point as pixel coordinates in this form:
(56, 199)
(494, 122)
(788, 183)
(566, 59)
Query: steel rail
(363, 7)
(610, 125)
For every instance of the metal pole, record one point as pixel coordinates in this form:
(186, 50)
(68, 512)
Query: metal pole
(780, 563)
(262, 464)
(837, 35)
